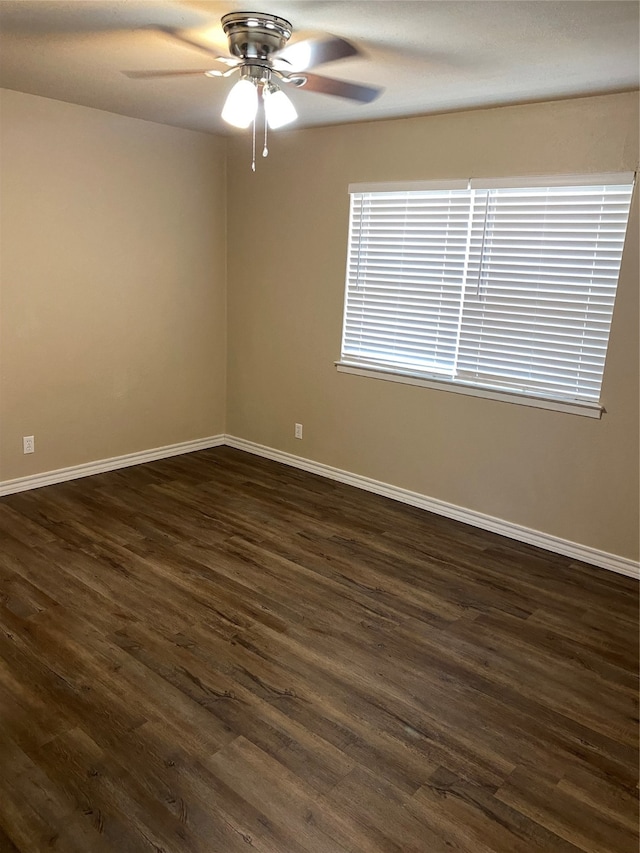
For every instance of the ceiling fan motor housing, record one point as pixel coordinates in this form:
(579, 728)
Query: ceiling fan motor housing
(255, 35)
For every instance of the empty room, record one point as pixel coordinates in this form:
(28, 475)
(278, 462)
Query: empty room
(319, 426)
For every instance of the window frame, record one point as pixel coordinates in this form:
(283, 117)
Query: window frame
(404, 374)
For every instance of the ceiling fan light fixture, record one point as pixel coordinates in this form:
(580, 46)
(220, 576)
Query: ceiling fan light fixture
(241, 105)
(278, 108)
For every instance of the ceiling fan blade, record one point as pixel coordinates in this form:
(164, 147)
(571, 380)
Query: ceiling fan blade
(209, 72)
(180, 36)
(341, 88)
(312, 52)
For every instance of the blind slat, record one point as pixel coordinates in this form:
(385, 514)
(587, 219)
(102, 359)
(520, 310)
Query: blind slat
(504, 286)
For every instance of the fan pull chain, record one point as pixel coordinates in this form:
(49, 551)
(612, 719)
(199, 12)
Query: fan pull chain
(253, 149)
(265, 150)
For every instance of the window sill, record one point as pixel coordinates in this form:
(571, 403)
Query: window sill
(588, 410)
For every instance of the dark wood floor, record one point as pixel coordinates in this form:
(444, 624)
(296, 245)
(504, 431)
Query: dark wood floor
(217, 653)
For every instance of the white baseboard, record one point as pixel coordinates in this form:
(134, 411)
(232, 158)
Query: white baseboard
(575, 551)
(61, 475)
(584, 553)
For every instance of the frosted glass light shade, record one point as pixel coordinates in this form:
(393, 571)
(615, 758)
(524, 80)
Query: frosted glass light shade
(241, 105)
(278, 108)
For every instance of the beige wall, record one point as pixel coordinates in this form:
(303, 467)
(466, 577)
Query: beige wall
(113, 284)
(113, 336)
(565, 475)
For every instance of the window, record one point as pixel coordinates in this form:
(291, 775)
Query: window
(502, 288)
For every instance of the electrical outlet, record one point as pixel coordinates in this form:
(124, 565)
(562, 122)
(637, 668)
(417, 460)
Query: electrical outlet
(298, 432)
(28, 444)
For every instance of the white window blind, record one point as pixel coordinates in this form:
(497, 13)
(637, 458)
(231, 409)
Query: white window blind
(508, 286)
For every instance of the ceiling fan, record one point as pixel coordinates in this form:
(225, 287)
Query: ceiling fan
(260, 55)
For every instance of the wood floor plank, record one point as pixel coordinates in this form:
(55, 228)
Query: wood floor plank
(216, 653)
(475, 821)
(319, 763)
(384, 810)
(38, 814)
(568, 816)
(616, 803)
(286, 800)
(6, 844)
(122, 811)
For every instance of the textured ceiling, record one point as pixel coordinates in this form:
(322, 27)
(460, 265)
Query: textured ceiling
(429, 56)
